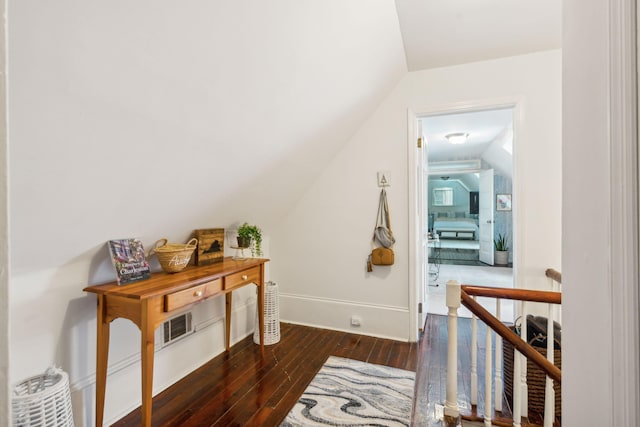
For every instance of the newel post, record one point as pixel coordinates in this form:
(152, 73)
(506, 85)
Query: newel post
(451, 410)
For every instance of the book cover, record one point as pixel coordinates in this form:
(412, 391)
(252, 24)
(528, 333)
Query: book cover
(129, 260)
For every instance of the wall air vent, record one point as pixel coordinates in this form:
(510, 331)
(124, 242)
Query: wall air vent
(176, 328)
(455, 166)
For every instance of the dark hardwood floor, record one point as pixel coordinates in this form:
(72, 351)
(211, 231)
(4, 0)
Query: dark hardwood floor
(241, 388)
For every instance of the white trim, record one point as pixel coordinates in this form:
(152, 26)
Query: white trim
(376, 320)
(344, 302)
(469, 106)
(457, 107)
(90, 380)
(625, 354)
(134, 358)
(413, 242)
(5, 257)
(350, 331)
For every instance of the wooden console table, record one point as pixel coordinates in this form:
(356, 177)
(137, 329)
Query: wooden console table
(150, 302)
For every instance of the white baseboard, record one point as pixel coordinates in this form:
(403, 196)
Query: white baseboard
(381, 321)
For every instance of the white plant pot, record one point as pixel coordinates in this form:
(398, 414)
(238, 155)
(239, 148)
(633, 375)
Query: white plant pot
(501, 257)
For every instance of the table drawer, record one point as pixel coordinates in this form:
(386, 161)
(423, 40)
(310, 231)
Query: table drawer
(250, 275)
(191, 295)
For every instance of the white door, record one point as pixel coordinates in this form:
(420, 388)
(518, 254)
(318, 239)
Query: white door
(485, 218)
(423, 241)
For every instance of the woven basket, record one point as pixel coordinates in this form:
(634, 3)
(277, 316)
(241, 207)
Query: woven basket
(536, 381)
(271, 316)
(43, 401)
(174, 257)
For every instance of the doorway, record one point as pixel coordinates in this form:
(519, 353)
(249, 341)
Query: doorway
(458, 184)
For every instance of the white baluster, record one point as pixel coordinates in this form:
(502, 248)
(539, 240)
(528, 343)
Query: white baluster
(498, 375)
(517, 389)
(451, 410)
(549, 395)
(523, 363)
(474, 358)
(487, 380)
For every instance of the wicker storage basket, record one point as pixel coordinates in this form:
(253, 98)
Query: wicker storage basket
(43, 400)
(536, 381)
(174, 257)
(271, 316)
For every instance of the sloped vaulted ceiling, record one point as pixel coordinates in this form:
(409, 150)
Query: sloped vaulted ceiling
(444, 33)
(154, 117)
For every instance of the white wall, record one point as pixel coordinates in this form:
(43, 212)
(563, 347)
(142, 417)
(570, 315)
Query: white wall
(4, 234)
(586, 174)
(154, 118)
(326, 237)
(600, 210)
(148, 112)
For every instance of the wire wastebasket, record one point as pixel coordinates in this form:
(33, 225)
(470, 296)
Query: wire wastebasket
(43, 400)
(271, 316)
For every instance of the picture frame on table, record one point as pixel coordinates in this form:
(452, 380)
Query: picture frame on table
(210, 246)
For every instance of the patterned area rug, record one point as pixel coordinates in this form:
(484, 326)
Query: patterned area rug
(348, 392)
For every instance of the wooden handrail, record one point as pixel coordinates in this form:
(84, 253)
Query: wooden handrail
(553, 274)
(513, 294)
(502, 330)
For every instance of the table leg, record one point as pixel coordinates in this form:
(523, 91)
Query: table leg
(227, 318)
(102, 356)
(147, 353)
(261, 314)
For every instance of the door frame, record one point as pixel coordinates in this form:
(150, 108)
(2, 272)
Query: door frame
(416, 253)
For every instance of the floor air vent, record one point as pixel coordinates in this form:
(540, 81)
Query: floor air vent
(177, 328)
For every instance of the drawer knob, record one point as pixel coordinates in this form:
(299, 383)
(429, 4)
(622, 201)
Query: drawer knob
(245, 277)
(197, 294)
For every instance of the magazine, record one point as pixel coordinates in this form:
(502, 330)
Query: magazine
(129, 260)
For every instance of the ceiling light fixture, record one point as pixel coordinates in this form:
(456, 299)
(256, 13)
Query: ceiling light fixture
(457, 138)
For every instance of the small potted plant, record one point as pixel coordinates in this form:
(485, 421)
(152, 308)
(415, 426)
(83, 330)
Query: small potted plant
(502, 249)
(250, 236)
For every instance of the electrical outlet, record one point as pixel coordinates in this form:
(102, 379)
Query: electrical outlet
(356, 320)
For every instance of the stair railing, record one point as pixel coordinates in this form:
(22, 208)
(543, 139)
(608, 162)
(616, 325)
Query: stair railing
(458, 294)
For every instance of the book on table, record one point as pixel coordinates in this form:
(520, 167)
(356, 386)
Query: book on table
(129, 260)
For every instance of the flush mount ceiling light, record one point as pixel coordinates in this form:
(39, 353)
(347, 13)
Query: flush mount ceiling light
(457, 138)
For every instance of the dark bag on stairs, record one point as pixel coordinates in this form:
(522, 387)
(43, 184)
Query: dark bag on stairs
(537, 332)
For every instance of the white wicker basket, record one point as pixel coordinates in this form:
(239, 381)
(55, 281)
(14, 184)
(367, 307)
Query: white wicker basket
(43, 400)
(271, 316)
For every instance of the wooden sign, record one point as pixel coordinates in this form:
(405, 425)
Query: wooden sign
(210, 246)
